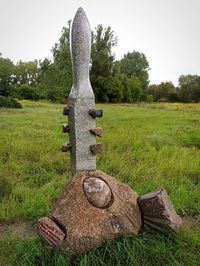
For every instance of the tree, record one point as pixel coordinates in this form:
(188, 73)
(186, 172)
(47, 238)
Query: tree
(189, 88)
(108, 83)
(6, 71)
(50, 86)
(102, 58)
(152, 90)
(43, 67)
(55, 77)
(132, 90)
(25, 91)
(104, 81)
(135, 64)
(165, 91)
(26, 73)
(62, 59)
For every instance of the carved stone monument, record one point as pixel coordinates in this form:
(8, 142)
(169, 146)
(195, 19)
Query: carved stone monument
(94, 207)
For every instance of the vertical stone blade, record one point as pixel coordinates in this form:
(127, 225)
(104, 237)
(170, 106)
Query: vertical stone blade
(80, 53)
(81, 98)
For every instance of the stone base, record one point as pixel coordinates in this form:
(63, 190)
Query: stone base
(91, 212)
(158, 211)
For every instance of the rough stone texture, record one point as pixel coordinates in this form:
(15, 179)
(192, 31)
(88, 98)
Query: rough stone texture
(80, 53)
(81, 139)
(50, 231)
(96, 148)
(66, 110)
(81, 98)
(97, 192)
(65, 128)
(97, 131)
(158, 211)
(66, 147)
(96, 112)
(88, 226)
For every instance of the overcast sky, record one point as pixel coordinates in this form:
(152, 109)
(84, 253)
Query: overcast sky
(166, 31)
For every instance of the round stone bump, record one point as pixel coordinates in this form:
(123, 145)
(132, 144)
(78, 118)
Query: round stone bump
(97, 192)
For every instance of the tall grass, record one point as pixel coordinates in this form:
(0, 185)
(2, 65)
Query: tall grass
(145, 145)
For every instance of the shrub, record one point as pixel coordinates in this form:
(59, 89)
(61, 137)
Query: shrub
(27, 92)
(9, 103)
(149, 98)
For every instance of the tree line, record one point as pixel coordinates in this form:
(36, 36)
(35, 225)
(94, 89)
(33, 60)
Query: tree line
(125, 80)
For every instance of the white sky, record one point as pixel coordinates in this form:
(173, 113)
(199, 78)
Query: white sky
(166, 31)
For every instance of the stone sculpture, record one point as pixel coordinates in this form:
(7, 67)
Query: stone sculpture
(94, 207)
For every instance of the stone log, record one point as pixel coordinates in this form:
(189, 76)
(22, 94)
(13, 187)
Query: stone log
(96, 148)
(50, 231)
(97, 131)
(158, 211)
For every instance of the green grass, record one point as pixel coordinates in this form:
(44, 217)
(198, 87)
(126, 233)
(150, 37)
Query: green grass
(145, 145)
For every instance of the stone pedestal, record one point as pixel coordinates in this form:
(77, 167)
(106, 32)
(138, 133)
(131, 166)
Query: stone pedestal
(93, 208)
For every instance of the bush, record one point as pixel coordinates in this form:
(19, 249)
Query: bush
(14, 91)
(27, 92)
(149, 98)
(9, 103)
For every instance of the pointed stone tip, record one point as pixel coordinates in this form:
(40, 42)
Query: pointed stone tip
(80, 14)
(80, 11)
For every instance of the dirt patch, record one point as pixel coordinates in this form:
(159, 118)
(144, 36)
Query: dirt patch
(191, 222)
(20, 228)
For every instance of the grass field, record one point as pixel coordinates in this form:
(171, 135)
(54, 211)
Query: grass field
(145, 145)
